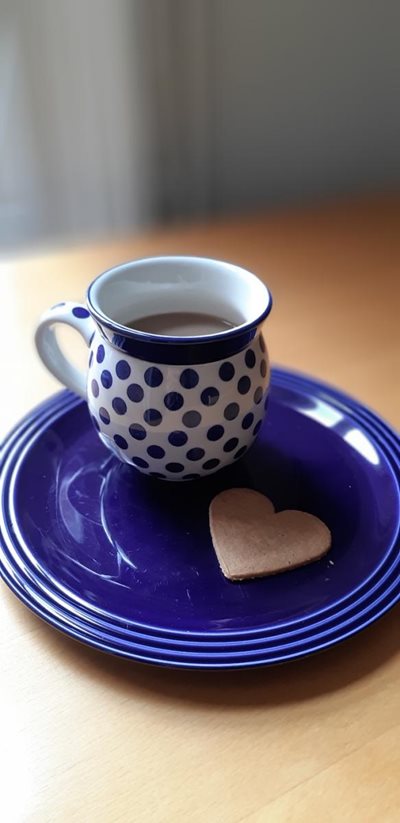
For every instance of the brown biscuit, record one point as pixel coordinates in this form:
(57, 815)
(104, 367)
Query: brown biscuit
(250, 540)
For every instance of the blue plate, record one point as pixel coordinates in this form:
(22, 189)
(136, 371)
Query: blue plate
(125, 563)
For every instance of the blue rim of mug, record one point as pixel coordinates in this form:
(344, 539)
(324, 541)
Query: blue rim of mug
(170, 340)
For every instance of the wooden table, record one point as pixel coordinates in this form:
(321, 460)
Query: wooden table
(87, 737)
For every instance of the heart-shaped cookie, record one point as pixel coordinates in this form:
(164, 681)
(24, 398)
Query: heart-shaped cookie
(250, 540)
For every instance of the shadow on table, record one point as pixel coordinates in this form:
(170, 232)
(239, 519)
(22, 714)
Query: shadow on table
(302, 680)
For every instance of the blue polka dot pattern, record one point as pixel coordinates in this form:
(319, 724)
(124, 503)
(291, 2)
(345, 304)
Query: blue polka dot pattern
(209, 396)
(119, 405)
(80, 312)
(257, 428)
(211, 464)
(180, 421)
(156, 451)
(135, 393)
(258, 395)
(173, 401)
(153, 417)
(244, 385)
(226, 371)
(231, 411)
(137, 431)
(153, 376)
(261, 342)
(100, 353)
(195, 454)
(106, 378)
(250, 358)
(174, 467)
(104, 415)
(231, 444)
(215, 433)
(123, 370)
(191, 419)
(177, 438)
(138, 461)
(120, 441)
(189, 379)
(247, 420)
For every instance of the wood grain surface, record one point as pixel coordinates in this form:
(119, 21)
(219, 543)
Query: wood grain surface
(91, 738)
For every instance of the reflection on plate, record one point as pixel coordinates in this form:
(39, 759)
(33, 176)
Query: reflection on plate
(125, 562)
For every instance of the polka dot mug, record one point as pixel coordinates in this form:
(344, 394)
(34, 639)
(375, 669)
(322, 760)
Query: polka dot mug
(175, 407)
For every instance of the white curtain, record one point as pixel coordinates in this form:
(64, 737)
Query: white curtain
(75, 144)
(104, 115)
(117, 113)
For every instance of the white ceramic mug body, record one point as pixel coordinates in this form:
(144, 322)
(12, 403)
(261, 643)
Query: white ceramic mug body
(176, 408)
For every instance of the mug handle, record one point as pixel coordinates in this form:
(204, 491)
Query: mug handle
(71, 314)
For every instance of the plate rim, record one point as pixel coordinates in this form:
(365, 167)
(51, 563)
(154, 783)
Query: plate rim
(57, 401)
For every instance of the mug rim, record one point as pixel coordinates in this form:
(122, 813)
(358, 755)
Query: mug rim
(176, 340)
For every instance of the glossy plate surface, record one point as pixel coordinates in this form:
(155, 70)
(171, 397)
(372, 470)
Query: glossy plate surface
(126, 563)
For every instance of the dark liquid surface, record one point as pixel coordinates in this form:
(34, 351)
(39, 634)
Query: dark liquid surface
(180, 324)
